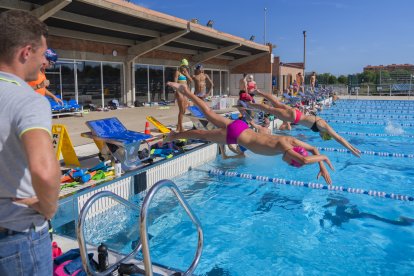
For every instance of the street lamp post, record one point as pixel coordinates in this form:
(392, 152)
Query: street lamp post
(304, 52)
(264, 35)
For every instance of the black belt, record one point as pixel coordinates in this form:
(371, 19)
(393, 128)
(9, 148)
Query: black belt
(8, 232)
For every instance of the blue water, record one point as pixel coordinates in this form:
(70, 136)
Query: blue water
(256, 228)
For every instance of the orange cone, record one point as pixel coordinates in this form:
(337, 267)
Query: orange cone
(147, 128)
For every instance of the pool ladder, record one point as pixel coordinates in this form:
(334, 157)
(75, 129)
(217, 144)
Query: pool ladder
(144, 244)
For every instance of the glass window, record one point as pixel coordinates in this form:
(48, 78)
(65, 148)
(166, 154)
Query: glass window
(225, 83)
(68, 80)
(112, 81)
(89, 82)
(216, 82)
(169, 73)
(53, 75)
(156, 83)
(141, 83)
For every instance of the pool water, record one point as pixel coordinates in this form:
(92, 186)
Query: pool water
(260, 228)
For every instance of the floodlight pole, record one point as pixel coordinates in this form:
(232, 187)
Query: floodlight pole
(304, 52)
(264, 35)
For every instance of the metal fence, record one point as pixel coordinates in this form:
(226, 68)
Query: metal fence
(395, 89)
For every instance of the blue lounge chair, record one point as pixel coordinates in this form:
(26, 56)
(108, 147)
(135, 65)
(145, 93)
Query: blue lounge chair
(56, 107)
(291, 99)
(199, 120)
(115, 141)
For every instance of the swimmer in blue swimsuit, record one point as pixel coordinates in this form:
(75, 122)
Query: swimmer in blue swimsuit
(182, 76)
(295, 152)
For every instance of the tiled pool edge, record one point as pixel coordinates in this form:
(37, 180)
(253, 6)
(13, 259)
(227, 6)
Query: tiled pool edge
(131, 183)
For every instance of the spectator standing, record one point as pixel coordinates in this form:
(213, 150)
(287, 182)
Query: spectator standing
(200, 83)
(29, 171)
(313, 81)
(182, 76)
(41, 83)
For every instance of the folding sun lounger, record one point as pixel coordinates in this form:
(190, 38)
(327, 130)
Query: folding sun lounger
(114, 140)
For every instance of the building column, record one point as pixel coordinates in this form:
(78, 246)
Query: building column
(129, 94)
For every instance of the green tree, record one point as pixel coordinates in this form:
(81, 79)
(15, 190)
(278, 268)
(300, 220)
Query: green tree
(342, 79)
(331, 79)
(369, 76)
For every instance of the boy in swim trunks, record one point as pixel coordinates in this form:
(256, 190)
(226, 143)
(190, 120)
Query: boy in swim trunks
(200, 82)
(238, 132)
(293, 115)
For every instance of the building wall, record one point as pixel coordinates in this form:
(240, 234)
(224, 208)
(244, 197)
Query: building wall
(79, 49)
(287, 75)
(260, 68)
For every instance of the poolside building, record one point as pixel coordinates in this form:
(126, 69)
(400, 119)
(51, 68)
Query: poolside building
(113, 49)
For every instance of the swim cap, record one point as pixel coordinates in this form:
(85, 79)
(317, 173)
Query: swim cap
(250, 77)
(184, 62)
(302, 152)
(325, 136)
(51, 55)
(199, 67)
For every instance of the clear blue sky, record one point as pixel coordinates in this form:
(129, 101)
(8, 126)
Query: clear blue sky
(343, 36)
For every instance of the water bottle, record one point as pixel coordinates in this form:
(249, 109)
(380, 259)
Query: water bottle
(103, 261)
(118, 169)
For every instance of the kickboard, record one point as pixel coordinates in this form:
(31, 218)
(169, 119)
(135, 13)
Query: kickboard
(158, 125)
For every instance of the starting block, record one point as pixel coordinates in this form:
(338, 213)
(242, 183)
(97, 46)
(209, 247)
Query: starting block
(116, 142)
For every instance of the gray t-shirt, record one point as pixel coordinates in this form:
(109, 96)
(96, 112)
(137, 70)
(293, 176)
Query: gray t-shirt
(21, 109)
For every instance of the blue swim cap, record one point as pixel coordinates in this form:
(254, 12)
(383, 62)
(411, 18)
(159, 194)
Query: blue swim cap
(199, 67)
(51, 55)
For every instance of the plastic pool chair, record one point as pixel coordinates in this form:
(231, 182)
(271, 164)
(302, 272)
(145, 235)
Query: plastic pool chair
(73, 105)
(196, 111)
(117, 142)
(198, 118)
(56, 107)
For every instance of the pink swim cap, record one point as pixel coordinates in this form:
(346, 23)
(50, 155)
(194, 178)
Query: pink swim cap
(302, 152)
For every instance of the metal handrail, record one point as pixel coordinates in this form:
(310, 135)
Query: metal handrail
(143, 225)
(144, 244)
(81, 234)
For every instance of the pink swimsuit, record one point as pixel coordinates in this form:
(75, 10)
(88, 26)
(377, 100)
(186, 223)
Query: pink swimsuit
(298, 115)
(234, 130)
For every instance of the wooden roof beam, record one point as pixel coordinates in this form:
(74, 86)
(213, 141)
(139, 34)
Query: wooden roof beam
(49, 9)
(215, 53)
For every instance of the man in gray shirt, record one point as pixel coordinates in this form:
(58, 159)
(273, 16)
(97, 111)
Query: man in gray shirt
(29, 171)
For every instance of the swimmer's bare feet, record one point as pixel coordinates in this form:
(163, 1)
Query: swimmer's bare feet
(169, 137)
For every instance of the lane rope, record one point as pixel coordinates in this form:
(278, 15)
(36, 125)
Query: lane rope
(366, 123)
(375, 134)
(310, 185)
(371, 116)
(368, 152)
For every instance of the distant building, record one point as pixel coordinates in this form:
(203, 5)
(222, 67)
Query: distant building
(389, 68)
(285, 72)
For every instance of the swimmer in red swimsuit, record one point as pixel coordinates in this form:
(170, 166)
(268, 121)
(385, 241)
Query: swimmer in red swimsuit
(293, 115)
(295, 152)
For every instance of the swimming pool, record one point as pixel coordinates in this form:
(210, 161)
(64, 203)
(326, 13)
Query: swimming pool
(261, 228)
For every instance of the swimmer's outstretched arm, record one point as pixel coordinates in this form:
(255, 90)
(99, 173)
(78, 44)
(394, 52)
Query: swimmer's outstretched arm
(327, 128)
(317, 157)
